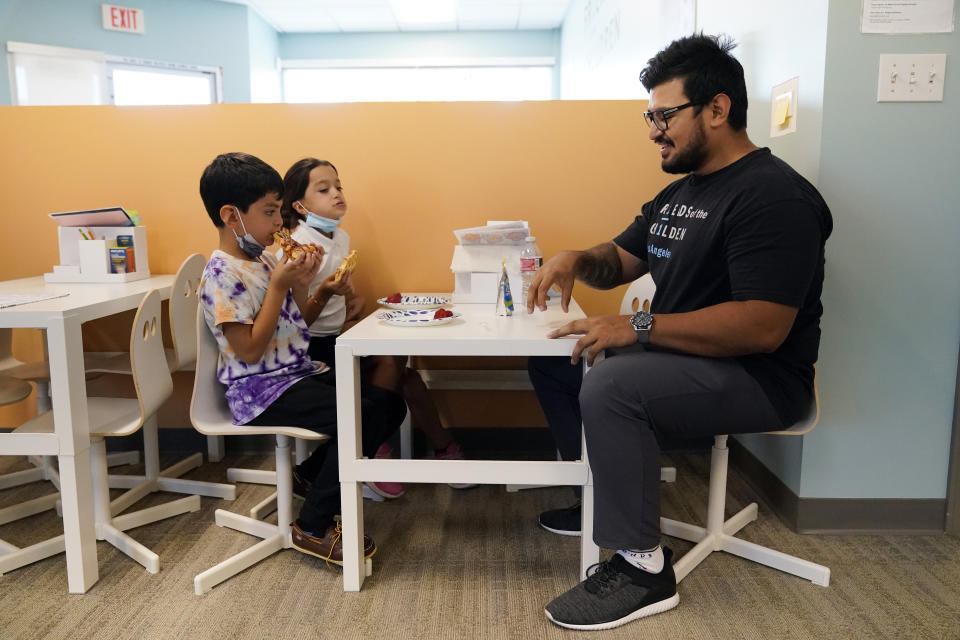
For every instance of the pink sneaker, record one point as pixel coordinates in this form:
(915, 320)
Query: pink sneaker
(389, 490)
(453, 452)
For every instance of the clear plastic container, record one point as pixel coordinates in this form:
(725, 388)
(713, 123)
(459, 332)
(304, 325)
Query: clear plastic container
(530, 260)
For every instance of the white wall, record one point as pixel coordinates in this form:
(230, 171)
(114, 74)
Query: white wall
(264, 54)
(777, 41)
(605, 43)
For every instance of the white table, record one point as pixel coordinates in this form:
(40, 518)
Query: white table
(61, 319)
(479, 332)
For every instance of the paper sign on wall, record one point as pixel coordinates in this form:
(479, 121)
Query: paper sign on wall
(116, 18)
(907, 16)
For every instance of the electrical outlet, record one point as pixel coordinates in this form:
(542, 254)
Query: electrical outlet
(911, 77)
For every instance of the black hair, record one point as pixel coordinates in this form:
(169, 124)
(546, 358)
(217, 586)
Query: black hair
(295, 184)
(707, 68)
(239, 179)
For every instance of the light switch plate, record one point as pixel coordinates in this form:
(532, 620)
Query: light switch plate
(785, 94)
(911, 77)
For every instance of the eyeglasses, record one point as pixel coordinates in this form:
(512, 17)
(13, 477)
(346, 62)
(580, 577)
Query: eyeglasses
(659, 117)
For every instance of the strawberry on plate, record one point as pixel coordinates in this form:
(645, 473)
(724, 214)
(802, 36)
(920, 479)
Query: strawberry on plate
(394, 298)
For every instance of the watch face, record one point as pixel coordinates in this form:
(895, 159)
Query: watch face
(642, 320)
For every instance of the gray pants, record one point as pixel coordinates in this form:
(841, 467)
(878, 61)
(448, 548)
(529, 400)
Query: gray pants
(633, 396)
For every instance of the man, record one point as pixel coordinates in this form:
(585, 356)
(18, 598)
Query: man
(736, 249)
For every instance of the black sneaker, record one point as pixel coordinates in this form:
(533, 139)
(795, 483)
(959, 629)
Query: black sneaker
(566, 522)
(301, 487)
(615, 593)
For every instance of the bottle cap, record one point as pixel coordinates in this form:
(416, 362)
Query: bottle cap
(531, 239)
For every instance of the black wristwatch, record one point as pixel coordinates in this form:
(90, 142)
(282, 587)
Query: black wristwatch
(642, 322)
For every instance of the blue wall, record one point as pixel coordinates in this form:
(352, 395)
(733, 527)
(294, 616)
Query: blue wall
(891, 326)
(200, 32)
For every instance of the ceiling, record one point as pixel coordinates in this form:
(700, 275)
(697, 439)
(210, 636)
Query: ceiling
(352, 16)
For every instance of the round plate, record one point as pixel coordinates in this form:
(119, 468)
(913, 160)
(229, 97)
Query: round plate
(416, 302)
(415, 318)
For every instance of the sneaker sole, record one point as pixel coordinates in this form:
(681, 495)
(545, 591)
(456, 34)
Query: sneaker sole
(561, 532)
(649, 610)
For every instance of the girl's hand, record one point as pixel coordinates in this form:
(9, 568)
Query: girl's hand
(342, 288)
(354, 308)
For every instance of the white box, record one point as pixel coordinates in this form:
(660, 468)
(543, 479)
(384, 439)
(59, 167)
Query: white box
(477, 268)
(90, 259)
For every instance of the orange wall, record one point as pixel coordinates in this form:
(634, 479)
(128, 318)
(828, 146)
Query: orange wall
(413, 172)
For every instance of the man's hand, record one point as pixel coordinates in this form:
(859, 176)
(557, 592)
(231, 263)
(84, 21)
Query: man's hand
(600, 332)
(557, 270)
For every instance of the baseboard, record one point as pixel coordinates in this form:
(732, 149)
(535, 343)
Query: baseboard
(886, 516)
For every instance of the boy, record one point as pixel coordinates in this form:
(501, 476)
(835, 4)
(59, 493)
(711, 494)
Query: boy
(258, 310)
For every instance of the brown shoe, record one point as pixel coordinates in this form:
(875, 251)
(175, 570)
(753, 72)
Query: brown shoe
(329, 547)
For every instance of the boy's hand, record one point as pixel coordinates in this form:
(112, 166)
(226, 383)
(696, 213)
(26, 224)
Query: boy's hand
(289, 274)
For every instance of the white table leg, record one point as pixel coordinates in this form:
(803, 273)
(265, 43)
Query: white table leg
(589, 551)
(349, 451)
(69, 393)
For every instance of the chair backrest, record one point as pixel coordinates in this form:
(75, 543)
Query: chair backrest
(148, 363)
(183, 308)
(209, 411)
(638, 295)
(208, 405)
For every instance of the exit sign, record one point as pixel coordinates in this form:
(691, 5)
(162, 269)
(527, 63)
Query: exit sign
(122, 18)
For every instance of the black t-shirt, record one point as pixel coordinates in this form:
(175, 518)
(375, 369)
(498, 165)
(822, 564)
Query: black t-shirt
(754, 230)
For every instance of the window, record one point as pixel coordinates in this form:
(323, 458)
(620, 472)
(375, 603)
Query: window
(142, 82)
(368, 81)
(43, 75)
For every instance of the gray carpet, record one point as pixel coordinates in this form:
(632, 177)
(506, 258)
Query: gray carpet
(472, 564)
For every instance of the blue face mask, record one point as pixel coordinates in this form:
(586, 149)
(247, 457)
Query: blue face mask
(327, 225)
(247, 243)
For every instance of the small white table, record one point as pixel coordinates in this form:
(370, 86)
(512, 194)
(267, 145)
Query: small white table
(479, 332)
(61, 319)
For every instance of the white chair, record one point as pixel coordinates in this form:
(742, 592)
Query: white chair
(18, 375)
(110, 417)
(719, 535)
(13, 390)
(211, 416)
(183, 306)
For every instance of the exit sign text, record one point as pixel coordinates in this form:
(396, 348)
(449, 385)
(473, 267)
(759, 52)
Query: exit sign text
(122, 18)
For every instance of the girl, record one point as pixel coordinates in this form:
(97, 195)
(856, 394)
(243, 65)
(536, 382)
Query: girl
(313, 207)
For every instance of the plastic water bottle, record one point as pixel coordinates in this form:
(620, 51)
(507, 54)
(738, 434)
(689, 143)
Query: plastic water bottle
(530, 260)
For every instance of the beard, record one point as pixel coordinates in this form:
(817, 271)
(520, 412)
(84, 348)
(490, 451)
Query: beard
(690, 159)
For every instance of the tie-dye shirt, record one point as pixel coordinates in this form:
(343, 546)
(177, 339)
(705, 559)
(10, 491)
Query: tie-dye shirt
(232, 290)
